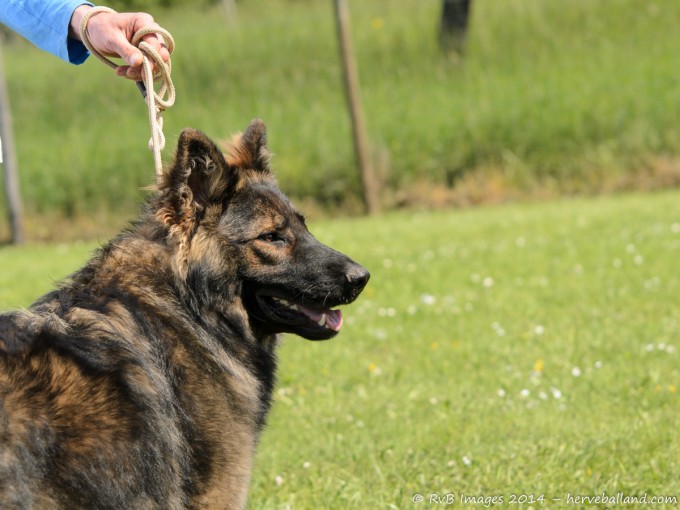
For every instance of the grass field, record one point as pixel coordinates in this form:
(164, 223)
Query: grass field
(551, 97)
(524, 349)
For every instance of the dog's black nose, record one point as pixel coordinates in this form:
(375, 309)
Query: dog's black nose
(357, 276)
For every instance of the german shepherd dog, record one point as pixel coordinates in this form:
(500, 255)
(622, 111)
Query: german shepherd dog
(145, 379)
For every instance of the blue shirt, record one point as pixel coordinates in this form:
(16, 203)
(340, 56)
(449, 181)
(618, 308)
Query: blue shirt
(45, 23)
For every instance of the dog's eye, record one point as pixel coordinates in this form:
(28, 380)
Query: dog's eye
(270, 237)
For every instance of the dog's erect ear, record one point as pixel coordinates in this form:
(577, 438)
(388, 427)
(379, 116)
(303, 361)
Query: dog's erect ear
(249, 151)
(200, 173)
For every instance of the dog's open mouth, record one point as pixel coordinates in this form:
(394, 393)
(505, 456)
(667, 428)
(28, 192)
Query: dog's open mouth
(311, 321)
(324, 317)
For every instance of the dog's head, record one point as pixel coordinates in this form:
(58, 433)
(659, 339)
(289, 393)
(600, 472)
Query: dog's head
(235, 234)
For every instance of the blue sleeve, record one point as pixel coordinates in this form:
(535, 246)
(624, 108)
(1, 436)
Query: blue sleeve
(45, 23)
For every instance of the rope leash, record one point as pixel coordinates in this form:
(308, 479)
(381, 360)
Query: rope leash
(156, 102)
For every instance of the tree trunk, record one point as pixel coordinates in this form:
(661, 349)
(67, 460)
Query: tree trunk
(9, 163)
(454, 24)
(353, 93)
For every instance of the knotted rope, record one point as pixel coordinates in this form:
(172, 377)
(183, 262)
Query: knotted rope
(156, 102)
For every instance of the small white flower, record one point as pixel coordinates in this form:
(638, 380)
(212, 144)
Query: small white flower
(500, 393)
(434, 401)
(557, 394)
(543, 395)
(539, 330)
(428, 299)
(306, 465)
(498, 329)
(598, 364)
(487, 282)
(466, 460)
(576, 372)
(649, 347)
(377, 371)
(638, 260)
(451, 463)
(283, 391)
(278, 480)
(524, 393)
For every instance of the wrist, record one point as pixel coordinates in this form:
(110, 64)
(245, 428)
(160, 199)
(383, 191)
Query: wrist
(76, 18)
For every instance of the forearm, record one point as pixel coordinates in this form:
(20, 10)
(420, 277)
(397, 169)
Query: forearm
(47, 24)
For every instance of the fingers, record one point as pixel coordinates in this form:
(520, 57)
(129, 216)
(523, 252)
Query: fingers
(157, 43)
(130, 73)
(111, 34)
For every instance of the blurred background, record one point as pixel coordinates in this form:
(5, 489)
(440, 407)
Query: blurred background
(526, 99)
(525, 349)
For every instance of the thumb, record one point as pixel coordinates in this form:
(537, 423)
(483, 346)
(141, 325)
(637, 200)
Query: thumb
(131, 55)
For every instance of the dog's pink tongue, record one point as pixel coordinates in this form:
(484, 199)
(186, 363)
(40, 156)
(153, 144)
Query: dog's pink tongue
(332, 319)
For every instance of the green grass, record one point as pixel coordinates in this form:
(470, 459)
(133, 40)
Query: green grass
(569, 96)
(447, 376)
(30, 271)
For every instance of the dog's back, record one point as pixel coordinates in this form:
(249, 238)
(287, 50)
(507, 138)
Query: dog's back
(144, 380)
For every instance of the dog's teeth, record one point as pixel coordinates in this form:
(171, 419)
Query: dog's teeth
(285, 302)
(322, 320)
(294, 307)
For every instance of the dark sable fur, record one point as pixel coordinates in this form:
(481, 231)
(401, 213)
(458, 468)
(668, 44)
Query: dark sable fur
(144, 380)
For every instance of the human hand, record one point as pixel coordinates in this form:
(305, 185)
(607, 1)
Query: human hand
(110, 34)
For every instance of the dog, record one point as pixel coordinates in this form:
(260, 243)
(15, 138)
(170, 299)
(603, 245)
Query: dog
(144, 380)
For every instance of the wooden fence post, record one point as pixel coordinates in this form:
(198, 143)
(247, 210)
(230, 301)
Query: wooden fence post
(454, 25)
(9, 163)
(361, 146)
(230, 11)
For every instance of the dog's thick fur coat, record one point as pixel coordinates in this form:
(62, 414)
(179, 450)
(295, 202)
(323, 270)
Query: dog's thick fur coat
(144, 380)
